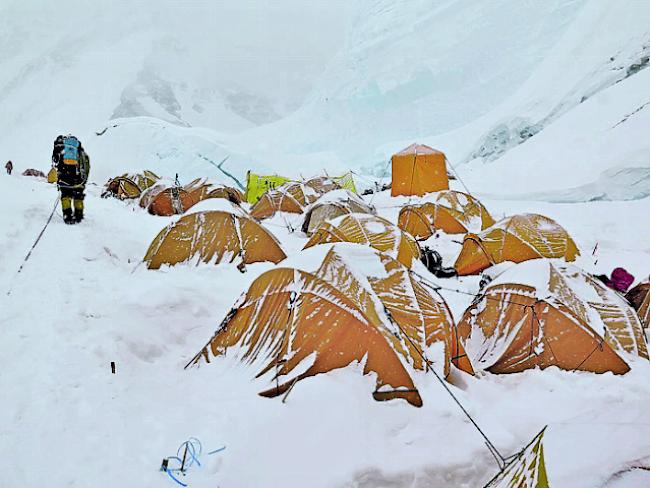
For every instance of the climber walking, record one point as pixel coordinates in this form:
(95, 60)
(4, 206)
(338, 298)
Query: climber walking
(72, 165)
(9, 167)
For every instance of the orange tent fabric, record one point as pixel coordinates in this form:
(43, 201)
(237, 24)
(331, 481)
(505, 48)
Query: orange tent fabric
(322, 184)
(202, 190)
(171, 201)
(417, 170)
(129, 186)
(369, 230)
(293, 325)
(332, 205)
(452, 212)
(213, 237)
(639, 297)
(518, 238)
(290, 197)
(411, 314)
(539, 314)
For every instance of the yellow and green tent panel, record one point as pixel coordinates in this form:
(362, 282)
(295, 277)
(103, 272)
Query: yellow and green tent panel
(527, 470)
(257, 185)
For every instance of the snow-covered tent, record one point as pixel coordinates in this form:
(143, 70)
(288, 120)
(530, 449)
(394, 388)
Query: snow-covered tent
(290, 197)
(369, 230)
(541, 314)
(353, 304)
(332, 205)
(201, 189)
(517, 238)
(214, 237)
(37, 173)
(417, 170)
(322, 184)
(166, 201)
(639, 297)
(527, 470)
(452, 212)
(130, 186)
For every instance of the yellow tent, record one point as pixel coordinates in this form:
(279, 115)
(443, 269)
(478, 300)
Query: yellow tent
(369, 230)
(526, 470)
(213, 237)
(517, 239)
(541, 314)
(293, 324)
(332, 205)
(452, 212)
(290, 197)
(257, 185)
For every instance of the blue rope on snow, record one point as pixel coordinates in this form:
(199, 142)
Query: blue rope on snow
(187, 455)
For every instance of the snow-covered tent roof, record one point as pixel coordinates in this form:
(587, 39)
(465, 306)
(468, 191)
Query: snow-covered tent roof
(372, 231)
(453, 212)
(339, 304)
(517, 238)
(332, 205)
(213, 236)
(290, 197)
(541, 313)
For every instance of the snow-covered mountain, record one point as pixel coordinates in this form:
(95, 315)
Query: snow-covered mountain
(292, 89)
(74, 66)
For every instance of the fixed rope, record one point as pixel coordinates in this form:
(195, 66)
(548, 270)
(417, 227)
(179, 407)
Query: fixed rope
(500, 459)
(38, 239)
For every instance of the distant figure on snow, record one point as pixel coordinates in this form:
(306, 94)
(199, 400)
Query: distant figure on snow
(73, 166)
(9, 167)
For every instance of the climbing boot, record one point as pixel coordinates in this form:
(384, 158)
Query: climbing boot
(68, 218)
(78, 210)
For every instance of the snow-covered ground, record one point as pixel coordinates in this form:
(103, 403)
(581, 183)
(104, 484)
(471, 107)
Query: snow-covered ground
(541, 107)
(84, 300)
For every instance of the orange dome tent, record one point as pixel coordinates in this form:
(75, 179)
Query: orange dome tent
(290, 197)
(417, 170)
(639, 297)
(539, 314)
(517, 239)
(202, 190)
(166, 201)
(293, 321)
(372, 231)
(213, 237)
(129, 186)
(322, 184)
(413, 314)
(452, 212)
(332, 205)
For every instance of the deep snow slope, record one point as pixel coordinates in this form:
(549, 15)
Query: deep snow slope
(473, 78)
(84, 300)
(600, 150)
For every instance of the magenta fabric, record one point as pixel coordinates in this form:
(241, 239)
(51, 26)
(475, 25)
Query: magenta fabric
(620, 280)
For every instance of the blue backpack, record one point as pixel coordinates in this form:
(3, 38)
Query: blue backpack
(71, 150)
